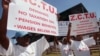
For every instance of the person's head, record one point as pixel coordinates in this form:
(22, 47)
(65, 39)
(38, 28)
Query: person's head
(22, 38)
(65, 41)
(79, 37)
(73, 37)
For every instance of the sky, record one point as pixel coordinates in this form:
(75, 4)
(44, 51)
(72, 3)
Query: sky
(62, 5)
(90, 5)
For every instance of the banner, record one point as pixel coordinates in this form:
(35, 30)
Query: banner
(83, 23)
(21, 1)
(63, 27)
(33, 17)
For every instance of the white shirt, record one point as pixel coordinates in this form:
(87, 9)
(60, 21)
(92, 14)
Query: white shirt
(34, 49)
(65, 50)
(17, 50)
(81, 48)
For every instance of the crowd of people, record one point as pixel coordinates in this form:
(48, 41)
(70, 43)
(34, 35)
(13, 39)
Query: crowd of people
(76, 45)
(68, 46)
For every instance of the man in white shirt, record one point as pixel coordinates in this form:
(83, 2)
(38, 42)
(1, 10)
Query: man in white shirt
(65, 45)
(22, 48)
(81, 47)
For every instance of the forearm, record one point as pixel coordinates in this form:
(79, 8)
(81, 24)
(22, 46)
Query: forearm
(3, 29)
(55, 40)
(68, 34)
(3, 22)
(4, 42)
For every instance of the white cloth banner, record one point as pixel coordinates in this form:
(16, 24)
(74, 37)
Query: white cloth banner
(83, 23)
(33, 17)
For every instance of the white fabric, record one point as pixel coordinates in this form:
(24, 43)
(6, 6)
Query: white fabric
(65, 50)
(34, 49)
(89, 41)
(17, 50)
(80, 48)
(85, 36)
(42, 45)
(2, 51)
(51, 43)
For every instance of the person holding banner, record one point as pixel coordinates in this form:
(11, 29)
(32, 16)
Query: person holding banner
(65, 45)
(23, 46)
(81, 46)
(23, 38)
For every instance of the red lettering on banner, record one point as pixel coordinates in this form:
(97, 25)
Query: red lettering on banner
(44, 5)
(49, 26)
(72, 17)
(51, 21)
(82, 16)
(39, 12)
(86, 15)
(38, 17)
(81, 26)
(25, 0)
(91, 15)
(43, 30)
(53, 32)
(51, 9)
(25, 27)
(22, 12)
(90, 30)
(28, 21)
(79, 16)
(32, 2)
(90, 25)
(83, 21)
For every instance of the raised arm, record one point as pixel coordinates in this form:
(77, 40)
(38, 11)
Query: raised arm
(3, 25)
(55, 40)
(68, 34)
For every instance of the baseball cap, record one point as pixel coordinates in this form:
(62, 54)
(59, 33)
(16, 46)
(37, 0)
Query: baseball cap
(21, 34)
